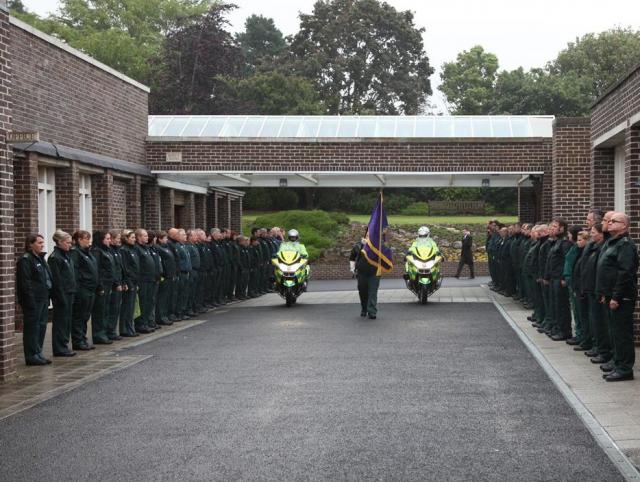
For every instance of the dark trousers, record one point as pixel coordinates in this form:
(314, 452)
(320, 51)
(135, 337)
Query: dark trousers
(561, 310)
(100, 315)
(599, 327)
(194, 286)
(82, 308)
(538, 301)
(621, 329)
(582, 303)
(163, 302)
(253, 282)
(368, 291)
(34, 329)
(115, 303)
(181, 294)
(546, 300)
(461, 265)
(146, 295)
(126, 311)
(242, 284)
(62, 319)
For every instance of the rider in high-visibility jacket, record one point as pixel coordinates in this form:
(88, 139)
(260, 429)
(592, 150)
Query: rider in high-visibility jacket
(423, 239)
(293, 244)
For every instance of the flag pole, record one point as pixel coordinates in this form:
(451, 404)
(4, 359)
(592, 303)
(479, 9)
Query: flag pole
(379, 273)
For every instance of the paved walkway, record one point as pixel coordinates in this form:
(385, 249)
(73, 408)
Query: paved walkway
(316, 393)
(614, 408)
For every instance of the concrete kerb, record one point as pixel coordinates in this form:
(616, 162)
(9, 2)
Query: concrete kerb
(619, 459)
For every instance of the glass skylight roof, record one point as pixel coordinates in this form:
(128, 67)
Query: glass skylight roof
(331, 127)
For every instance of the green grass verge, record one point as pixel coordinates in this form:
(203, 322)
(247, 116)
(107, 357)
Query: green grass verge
(398, 219)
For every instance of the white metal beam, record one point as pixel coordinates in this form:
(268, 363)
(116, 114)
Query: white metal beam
(235, 177)
(382, 179)
(308, 177)
(182, 186)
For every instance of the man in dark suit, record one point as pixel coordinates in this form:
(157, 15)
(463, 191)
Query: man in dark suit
(466, 253)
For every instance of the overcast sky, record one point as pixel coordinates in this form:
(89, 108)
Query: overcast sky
(521, 33)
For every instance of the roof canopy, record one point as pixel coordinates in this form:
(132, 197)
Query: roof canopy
(341, 127)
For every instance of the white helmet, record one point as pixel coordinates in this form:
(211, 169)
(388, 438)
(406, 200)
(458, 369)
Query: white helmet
(424, 232)
(293, 235)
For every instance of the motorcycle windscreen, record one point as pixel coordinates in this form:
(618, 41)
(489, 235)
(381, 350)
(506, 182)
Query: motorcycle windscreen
(289, 257)
(425, 253)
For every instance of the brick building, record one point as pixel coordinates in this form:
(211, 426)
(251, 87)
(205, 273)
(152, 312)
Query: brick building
(76, 158)
(78, 149)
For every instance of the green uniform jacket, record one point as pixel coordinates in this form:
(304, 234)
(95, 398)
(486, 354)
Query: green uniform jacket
(589, 267)
(530, 263)
(147, 264)
(569, 262)
(555, 260)
(131, 264)
(33, 279)
(169, 265)
(618, 269)
(543, 254)
(106, 266)
(63, 275)
(86, 268)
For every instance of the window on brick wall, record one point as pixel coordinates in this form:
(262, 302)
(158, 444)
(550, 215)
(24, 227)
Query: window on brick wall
(86, 205)
(47, 205)
(618, 176)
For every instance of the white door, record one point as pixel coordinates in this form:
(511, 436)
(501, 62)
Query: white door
(86, 205)
(619, 178)
(47, 205)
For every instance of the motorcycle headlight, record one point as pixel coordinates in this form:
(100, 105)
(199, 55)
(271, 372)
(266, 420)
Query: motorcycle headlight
(430, 264)
(419, 264)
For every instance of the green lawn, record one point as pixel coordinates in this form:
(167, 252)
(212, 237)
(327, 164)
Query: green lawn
(248, 218)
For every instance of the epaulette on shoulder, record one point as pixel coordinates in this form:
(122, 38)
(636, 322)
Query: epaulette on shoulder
(25, 256)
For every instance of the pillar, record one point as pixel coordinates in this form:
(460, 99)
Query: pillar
(102, 196)
(602, 178)
(151, 206)
(134, 203)
(571, 169)
(7, 227)
(67, 204)
(167, 210)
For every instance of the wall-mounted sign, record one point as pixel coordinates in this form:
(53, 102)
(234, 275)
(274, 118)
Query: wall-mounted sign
(18, 137)
(174, 157)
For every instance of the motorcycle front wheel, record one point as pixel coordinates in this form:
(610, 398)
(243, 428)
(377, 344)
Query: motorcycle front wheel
(424, 295)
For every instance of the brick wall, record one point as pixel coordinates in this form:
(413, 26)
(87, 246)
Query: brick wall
(201, 211)
(333, 156)
(151, 206)
(212, 211)
(617, 106)
(224, 211)
(235, 222)
(571, 186)
(7, 226)
(119, 205)
(527, 205)
(74, 103)
(602, 178)
(167, 202)
(325, 271)
(102, 195)
(67, 204)
(134, 203)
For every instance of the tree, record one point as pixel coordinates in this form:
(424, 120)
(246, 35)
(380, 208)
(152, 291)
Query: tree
(261, 42)
(268, 94)
(194, 54)
(468, 83)
(565, 86)
(124, 34)
(363, 56)
(537, 92)
(599, 59)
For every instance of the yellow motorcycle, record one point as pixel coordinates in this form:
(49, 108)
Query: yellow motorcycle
(422, 271)
(291, 275)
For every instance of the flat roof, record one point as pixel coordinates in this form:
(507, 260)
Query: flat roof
(201, 127)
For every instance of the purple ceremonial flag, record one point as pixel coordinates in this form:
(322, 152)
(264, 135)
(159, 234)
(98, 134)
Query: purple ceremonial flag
(376, 252)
